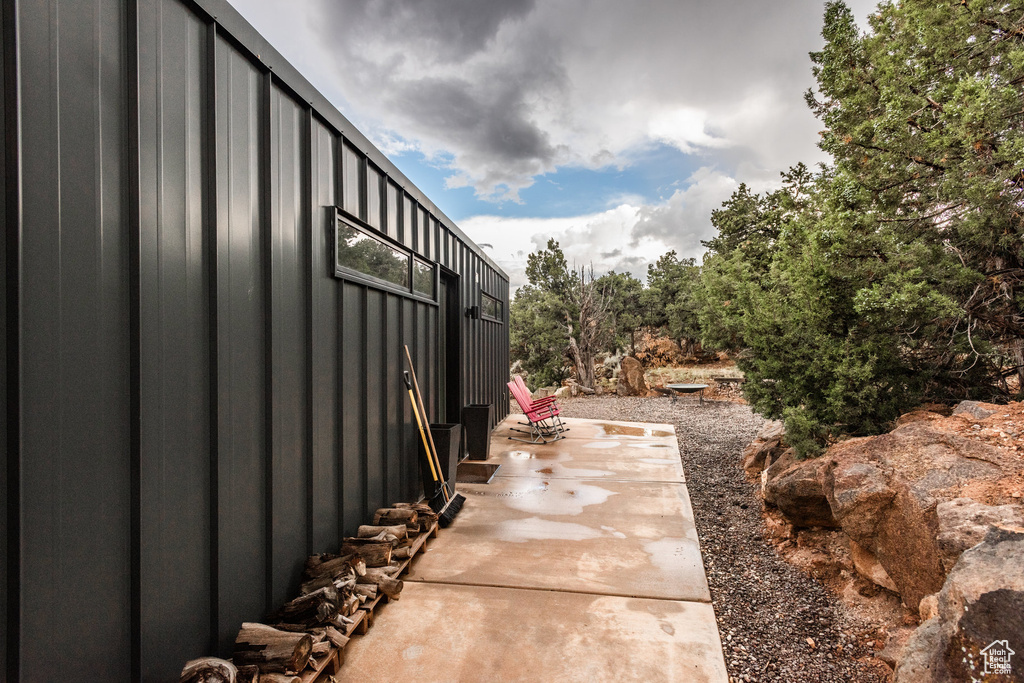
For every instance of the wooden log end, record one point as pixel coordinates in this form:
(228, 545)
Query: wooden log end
(209, 670)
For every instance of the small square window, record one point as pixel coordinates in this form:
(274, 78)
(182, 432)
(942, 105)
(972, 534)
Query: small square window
(491, 307)
(423, 277)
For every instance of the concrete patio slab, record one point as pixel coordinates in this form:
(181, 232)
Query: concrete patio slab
(632, 539)
(438, 634)
(579, 561)
(593, 449)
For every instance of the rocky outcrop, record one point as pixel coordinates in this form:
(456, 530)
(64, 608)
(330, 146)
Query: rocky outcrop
(858, 493)
(963, 524)
(913, 500)
(980, 609)
(884, 492)
(798, 491)
(631, 378)
(868, 566)
(767, 445)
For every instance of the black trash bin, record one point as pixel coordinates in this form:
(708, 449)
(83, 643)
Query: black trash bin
(447, 441)
(476, 418)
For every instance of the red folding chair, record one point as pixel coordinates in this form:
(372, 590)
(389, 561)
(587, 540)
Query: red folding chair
(543, 421)
(546, 400)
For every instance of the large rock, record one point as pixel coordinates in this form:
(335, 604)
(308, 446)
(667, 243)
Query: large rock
(858, 493)
(980, 611)
(798, 491)
(963, 524)
(868, 566)
(766, 445)
(884, 491)
(631, 378)
(975, 409)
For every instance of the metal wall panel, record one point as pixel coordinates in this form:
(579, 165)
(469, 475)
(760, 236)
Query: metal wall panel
(242, 534)
(352, 355)
(373, 389)
(176, 590)
(202, 403)
(75, 456)
(410, 457)
(7, 391)
(395, 400)
(290, 448)
(326, 502)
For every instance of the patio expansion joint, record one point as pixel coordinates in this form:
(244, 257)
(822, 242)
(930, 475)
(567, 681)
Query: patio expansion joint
(555, 590)
(606, 479)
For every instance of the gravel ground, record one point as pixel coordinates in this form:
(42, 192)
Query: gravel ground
(777, 623)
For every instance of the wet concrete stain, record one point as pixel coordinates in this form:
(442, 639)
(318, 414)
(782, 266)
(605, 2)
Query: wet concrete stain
(555, 497)
(624, 430)
(538, 529)
(527, 455)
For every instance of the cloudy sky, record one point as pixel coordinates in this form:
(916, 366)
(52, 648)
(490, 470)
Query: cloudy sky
(614, 127)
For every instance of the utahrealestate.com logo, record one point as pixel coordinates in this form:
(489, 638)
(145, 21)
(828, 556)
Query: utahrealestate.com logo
(997, 658)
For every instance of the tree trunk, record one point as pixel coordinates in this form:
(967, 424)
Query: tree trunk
(273, 651)
(1018, 358)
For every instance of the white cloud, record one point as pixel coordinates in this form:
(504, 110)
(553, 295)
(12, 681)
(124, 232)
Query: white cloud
(514, 89)
(625, 238)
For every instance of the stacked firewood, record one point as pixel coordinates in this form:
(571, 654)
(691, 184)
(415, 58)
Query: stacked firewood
(303, 631)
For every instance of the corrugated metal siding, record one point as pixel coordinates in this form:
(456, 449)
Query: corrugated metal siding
(291, 457)
(75, 483)
(243, 555)
(175, 291)
(198, 402)
(326, 385)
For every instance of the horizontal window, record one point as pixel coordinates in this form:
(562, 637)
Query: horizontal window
(491, 308)
(368, 255)
(364, 256)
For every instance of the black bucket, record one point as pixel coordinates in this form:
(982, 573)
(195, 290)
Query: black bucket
(447, 441)
(477, 420)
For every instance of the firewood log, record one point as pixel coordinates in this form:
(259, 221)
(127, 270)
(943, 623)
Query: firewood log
(333, 566)
(209, 670)
(390, 516)
(403, 553)
(368, 591)
(369, 530)
(311, 608)
(374, 554)
(322, 648)
(336, 637)
(279, 678)
(250, 673)
(382, 577)
(341, 621)
(272, 650)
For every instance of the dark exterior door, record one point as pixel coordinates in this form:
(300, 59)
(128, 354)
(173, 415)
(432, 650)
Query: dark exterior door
(450, 333)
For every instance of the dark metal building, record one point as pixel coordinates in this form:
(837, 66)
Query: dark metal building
(209, 276)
